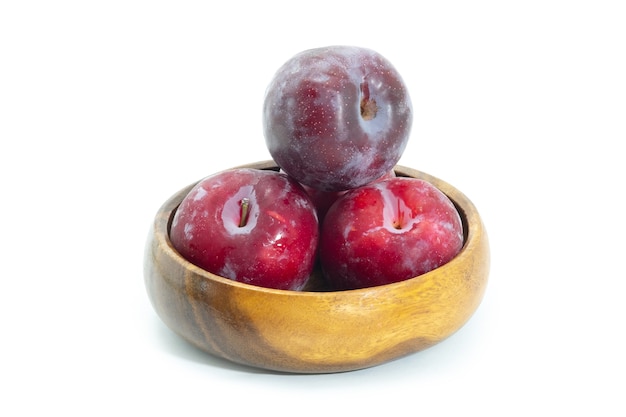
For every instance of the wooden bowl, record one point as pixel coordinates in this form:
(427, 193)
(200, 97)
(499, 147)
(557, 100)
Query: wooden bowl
(316, 331)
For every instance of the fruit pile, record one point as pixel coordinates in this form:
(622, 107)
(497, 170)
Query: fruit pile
(336, 120)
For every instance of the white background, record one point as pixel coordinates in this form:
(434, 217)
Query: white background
(108, 108)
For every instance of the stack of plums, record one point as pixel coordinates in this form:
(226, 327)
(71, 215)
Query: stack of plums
(336, 120)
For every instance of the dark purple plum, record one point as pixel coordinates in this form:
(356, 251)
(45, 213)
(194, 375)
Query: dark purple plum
(337, 118)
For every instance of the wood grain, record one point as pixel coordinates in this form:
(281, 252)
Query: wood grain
(312, 331)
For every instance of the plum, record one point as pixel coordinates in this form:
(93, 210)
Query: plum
(337, 118)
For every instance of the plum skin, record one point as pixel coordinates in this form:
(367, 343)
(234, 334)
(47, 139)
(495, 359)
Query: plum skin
(388, 231)
(337, 118)
(323, 200)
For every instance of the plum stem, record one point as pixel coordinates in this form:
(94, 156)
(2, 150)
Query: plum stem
(399, 222)
(368, 105)
(245, 211)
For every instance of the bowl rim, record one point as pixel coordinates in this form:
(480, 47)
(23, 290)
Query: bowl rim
(467, 212)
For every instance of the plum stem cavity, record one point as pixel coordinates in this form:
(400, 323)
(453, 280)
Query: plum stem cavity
(368, 104)
(245, 212)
